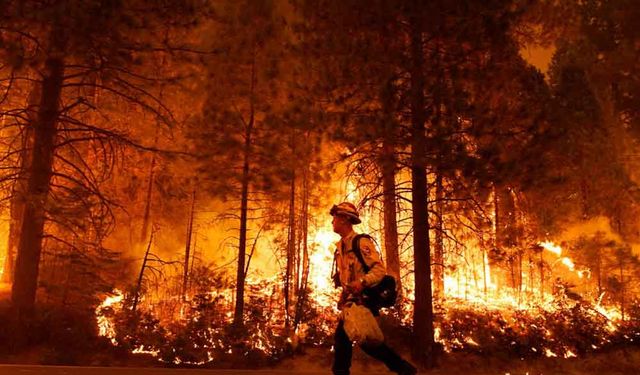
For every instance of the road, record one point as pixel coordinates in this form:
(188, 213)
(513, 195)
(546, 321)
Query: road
(68, 370)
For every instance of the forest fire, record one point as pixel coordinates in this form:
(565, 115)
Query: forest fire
(479, 308)
(175, 179)
(468, 297)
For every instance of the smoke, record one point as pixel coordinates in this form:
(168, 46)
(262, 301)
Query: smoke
(598, 225)
(589, 228)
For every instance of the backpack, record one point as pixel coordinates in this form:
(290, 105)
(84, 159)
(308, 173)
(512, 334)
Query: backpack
(382, 294)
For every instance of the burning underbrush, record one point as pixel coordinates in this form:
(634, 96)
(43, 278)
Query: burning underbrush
(543, 306)
(568, 330)
(204, 333)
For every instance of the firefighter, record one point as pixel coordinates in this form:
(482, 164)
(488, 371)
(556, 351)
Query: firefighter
(351, 277)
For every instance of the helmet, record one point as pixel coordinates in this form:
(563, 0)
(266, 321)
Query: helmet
(346, 209)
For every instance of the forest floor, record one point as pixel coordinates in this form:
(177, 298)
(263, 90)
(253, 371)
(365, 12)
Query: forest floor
(625, 361)
(619, 361)
(622, 361)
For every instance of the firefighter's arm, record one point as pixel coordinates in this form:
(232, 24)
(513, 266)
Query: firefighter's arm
(371, 257)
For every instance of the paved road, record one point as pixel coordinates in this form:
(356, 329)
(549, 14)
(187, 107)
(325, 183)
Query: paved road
(66, 370)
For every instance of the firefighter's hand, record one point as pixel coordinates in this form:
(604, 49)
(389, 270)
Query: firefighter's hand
(355, 287)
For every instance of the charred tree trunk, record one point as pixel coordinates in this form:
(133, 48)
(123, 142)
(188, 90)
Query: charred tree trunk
(584, 198)
(622, 290)
(392, 253)
(512, 271)
(438, 253)
(439, 129)
(541, 274)
(388, 166)
(497, 222)
(193, 258)
(238, 320)
(23, 293)
(423, 350)
(599, 272)
(302, 292)
(290, 250)
(484, 272)
(520, 278)
(187, 247)
(242, 242)
(136, 296)
(146, 219)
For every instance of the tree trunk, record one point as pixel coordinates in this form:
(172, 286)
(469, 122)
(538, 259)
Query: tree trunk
(193, 258)
(146, 219)
(622, 290)
(484, 271)
(187, 247)
(519, 258)
(238, 319)
(438, 124)
(438, 253)
(290, 250)
(242, 242)
(302, 293)
(599, 271)
(497, 222)
(388, 167)
(423, 311)
(541, 274)
(136, 296)
(23, 292)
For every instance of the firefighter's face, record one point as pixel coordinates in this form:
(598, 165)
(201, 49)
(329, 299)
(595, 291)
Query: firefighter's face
(340, 223)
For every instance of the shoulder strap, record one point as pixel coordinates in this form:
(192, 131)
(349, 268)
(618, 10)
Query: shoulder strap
(334, 264)
(355, 247)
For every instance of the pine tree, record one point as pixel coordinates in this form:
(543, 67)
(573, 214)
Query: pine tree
(77, 48)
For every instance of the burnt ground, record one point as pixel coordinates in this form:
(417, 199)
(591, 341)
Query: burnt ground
(64, 370)
(619, 362)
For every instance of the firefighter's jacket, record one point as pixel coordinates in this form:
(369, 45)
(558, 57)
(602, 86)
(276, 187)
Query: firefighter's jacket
(349, 267)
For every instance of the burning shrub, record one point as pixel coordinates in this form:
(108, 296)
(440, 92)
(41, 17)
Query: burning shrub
(203, 332)
(629, 330)
(139, 331)
(568, 329)
(576, 329)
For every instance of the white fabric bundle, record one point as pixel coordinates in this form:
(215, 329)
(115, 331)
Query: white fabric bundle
(360, 325)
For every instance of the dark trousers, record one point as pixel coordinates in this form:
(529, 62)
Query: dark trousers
(344, 349)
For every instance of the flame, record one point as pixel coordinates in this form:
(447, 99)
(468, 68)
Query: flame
(106, 327)
(557, 250)
(142, 350)
(550, 246)
(570, 354)
(569, 263)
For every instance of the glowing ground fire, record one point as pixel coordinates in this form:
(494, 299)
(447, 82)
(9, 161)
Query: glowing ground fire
(471, 282)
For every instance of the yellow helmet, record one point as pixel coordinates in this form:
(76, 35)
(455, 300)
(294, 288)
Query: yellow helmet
(346, 209)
